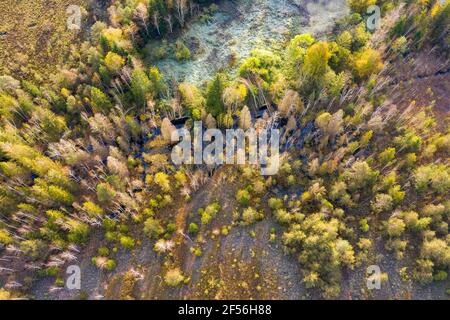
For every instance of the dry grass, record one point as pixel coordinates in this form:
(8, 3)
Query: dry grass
(34, 35)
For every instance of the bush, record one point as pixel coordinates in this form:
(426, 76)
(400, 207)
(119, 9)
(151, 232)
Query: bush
(182, 53)
(153, 227)
(127, 242)
(110, 265)
(243, 197)
(103, 251)
(250, 215)
(193, 228)
(92, 209)
(275, 203)
(173, 277)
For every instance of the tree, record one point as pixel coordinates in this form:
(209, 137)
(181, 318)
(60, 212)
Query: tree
(100, 101)
(60, 196)
(182, 53)
(261, 68)
(243, 197)
(173, 277)
(92, 209)
(330, 125)
(78, 231)
(193, 228)
(296, 51)
(114, 63)
(214, 92)
(395, 226)
(181, 9)
(141, 15)
(5, 237)
(291, 103)
(360, 6)
(436, 250)
(210, 122)
(434, 176)
(234, 95)
(105, 193)
(127, 242)
(383, 202)
(153, 227)
(387, 156)
(162, 180)
(245, 118)
(360, 175)
(366, 63)
(157, 81)
(141, 87)
(250, 216)
(315, 67)
(192, 98)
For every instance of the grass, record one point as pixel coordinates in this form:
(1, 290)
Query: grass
(35, 37)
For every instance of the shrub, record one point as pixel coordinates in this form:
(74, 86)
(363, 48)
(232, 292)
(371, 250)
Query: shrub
(173, 277)
(103, 251)
(153, 228)
(92, 209)
(243, 197)
(110, 265)
(193, 228)
(275, 203)
(250, 215)
(182, 53)
(127, 242)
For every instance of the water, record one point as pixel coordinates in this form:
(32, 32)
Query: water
(243, 25)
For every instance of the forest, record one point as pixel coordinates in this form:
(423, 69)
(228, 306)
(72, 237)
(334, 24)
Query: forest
(87, 179)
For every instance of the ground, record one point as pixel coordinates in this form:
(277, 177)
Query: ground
(34, 36)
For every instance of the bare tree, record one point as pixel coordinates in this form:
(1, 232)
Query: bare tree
(141, 14)
(155, 21)
(169, 22)
(181, 9)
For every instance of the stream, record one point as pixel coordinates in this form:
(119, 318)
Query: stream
(240, 26)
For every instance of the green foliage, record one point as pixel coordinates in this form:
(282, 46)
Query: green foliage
(193, 228)
(182, 53)
(100, 101)
(434, 177)
(105, 193)
(153, 227)
(209, 212)
(250, 216)
(141, 86)
(321, 251)
(114, 62)
(262, 65)
(127, 242)
(214, 101)
(162, 180)
(360, 6)
(5, 237)
(360, 176)
(174, 277)
(192, 98)
(275, 203)
(92, 209)
(366, 63)
(79, 231)
(243, 197)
